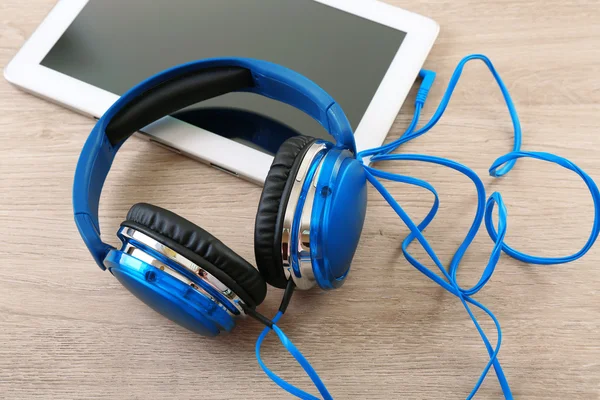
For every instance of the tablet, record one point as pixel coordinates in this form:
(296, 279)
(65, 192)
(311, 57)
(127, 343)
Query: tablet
(366, 54)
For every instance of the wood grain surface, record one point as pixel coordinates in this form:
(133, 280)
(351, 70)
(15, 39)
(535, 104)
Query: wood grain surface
(69, 331)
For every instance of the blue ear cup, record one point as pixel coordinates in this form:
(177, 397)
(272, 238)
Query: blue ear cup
(310, 215)
(180, 302)
(337, 218)
(200, 248)
(182, 271)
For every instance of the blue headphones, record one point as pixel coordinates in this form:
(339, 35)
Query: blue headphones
(309, 219)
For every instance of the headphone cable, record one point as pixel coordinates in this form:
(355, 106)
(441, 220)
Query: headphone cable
(285, 302)
(271, 325)
(484, 211)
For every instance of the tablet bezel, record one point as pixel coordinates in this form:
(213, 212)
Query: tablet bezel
(25, 71)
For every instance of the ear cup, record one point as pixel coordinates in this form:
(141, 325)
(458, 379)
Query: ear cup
(271, 208)
(201, 248)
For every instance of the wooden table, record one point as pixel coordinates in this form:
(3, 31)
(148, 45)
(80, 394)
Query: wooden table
(67, 330)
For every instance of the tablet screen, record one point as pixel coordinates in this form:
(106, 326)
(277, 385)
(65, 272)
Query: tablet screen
(115, 44)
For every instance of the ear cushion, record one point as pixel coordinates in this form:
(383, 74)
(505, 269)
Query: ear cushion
(201, 248)
(271, 208)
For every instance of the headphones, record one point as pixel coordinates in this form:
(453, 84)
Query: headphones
(309, 219)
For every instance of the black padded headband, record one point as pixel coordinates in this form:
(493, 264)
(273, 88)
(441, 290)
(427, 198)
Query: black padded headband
(174, 94)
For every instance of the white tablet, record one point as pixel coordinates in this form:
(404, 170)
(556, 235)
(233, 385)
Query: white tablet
(365, 53)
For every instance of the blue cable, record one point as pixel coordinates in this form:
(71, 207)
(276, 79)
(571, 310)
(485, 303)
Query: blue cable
(293, 350)
(428, 77)
(589, 182)
(484, 210)
(425, 86)
(450, 283)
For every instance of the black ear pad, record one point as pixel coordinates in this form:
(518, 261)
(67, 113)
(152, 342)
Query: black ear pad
(200, 247)
(271, 208)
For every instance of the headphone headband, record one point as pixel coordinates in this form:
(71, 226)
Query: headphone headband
(177, 88)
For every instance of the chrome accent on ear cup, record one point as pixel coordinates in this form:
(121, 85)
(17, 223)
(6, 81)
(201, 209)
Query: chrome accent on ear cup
(307, 277)
(288, 219)
(316, 181)
(132, 239)
(306, 280)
